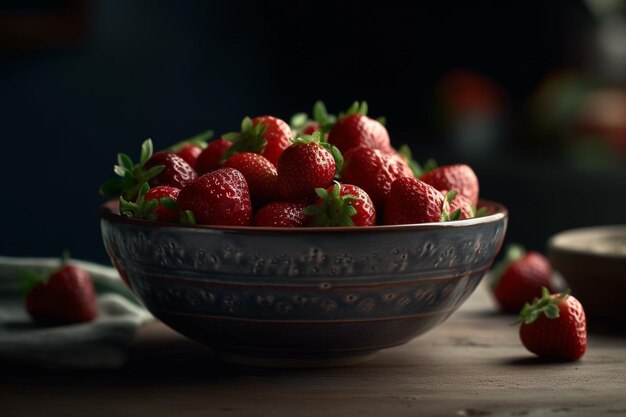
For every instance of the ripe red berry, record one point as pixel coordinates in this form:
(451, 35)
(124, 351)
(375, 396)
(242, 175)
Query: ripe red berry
(210, 158)
(176, 172)
(280, 214)
(554, 327)
(373, 171)
(260, 174)
(454, 177)
(359, 130)
(190, 153)
(161, 212)
(277, 135)
(220, 197)
(303, 167)
(68, 296)
(413, 201)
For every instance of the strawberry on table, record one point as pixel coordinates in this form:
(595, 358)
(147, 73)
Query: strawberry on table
(66, 296)
(519, 278)
(354, 129)
(260, 174)
(265, 135)
(458, 177)
(341, 205)
(309, 163)
(219, 198)
(413, 201)
(280, 214)
(210, 158)
(373, 171)
(554, 327)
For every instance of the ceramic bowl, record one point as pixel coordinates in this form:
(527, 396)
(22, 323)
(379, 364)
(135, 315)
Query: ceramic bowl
(593, 262)
(302, 297)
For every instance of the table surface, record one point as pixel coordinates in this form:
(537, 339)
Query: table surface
(472, 365)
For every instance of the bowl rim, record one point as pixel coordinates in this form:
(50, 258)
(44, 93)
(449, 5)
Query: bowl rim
(109, 211)
(555, 243)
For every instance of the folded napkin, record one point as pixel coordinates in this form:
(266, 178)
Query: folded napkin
(100, 344)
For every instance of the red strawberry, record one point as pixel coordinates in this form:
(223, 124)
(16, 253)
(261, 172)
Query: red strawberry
(67, 296)
(266, 135)
(454, 177)
(176, 172)
(164, 212)
(413, 201)
(519, 278)
(374, 172)
(342, 205)
(210, 158)
(306, 165)
(280, 214)
(220, 197)
(260, 174)
(190, 153)
(356, 129)
(554, 327)
(277, 134)
(158, 203)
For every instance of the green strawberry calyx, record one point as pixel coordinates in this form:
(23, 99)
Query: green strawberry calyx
(251, 138)
(321, 116)
(546, 305)
(512, 253)
(334, 210)
(418, 169)
(445, 215)
(132, 175)
(317, 137)
(356, 108)
(140, 208)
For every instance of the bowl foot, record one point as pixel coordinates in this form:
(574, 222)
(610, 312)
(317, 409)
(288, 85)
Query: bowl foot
(261, 360)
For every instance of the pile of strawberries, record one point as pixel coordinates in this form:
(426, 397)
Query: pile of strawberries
(329, 171)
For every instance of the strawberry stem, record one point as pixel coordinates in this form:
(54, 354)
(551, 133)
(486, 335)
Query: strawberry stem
(546, 305)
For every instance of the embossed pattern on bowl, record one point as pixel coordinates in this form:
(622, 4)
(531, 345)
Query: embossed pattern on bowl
(312, 293)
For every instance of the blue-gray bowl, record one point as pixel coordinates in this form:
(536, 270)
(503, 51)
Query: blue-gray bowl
(302, 297)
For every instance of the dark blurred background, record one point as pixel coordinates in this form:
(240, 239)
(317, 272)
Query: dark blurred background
(531, 94)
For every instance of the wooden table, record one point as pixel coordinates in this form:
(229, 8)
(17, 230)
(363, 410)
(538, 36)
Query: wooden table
(473, 365)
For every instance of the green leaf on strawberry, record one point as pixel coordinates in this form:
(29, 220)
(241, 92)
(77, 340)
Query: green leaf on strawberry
(251, 138)
(140, 208)
(334, 210)
(132, 175)
(445, 215)
(298, 121)
(547, 305)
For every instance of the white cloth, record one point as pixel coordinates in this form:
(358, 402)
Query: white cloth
(100, 344)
